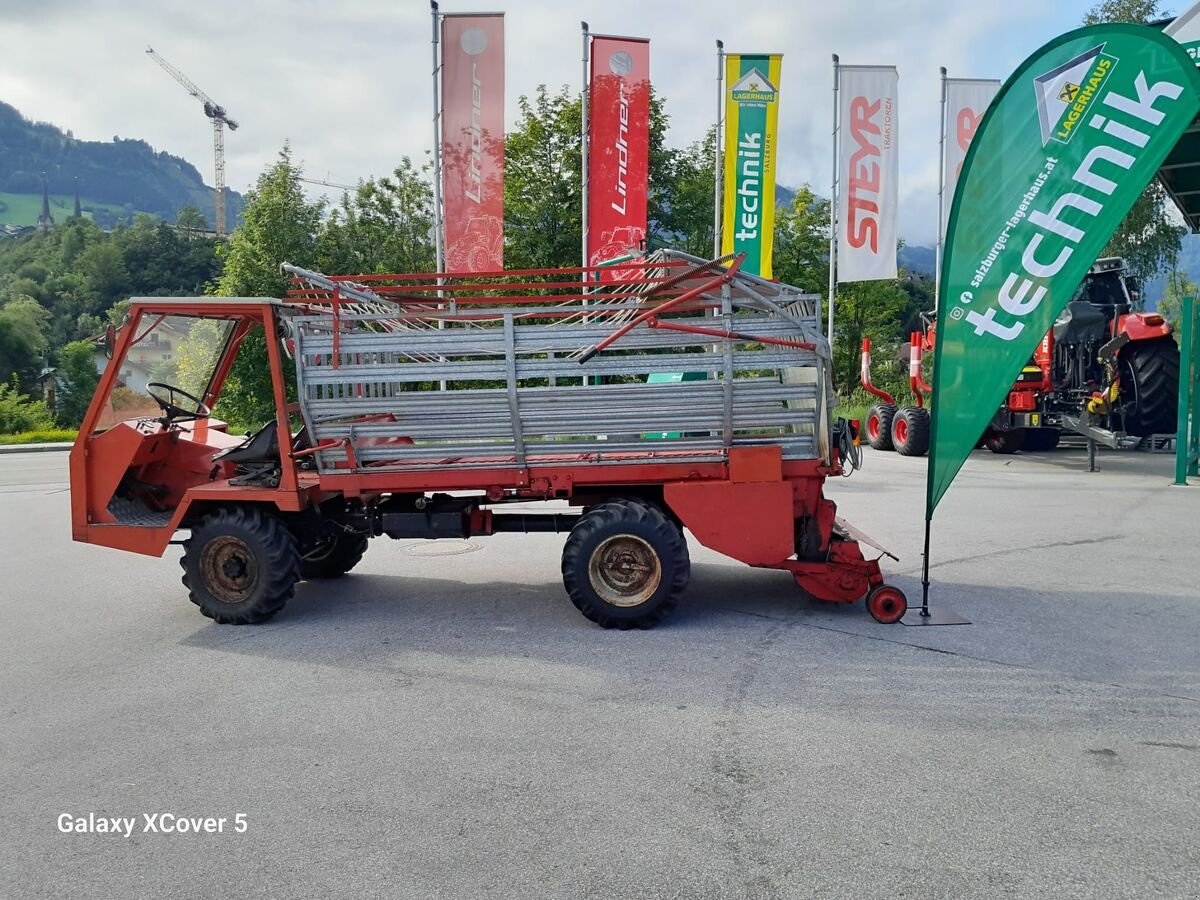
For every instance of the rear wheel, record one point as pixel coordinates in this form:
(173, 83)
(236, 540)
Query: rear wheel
(879, 426)
(333, 557)
(625, 564)
(1006, 441)
(240, 566)
(1149, 386)
(910, 431)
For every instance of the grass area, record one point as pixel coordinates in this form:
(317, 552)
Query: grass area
(56, 436)
(24, 209)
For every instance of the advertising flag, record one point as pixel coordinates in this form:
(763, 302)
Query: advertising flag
(967, 100)
(618, 147)
(1065, 149)
(868, 173)
(1185, 28)
(751, 135)
(473, 142)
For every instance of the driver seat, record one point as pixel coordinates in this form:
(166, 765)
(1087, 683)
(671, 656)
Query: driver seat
(262, 447)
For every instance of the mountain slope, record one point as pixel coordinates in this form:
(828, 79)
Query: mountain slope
(126, 174)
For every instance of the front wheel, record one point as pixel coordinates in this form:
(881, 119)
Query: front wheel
(879, 426)
(240, 566)
(625, 564)
(1006, 442)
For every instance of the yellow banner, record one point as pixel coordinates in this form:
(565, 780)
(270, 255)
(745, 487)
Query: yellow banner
(751, 132)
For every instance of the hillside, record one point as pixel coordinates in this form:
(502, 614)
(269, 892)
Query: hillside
(117, 178)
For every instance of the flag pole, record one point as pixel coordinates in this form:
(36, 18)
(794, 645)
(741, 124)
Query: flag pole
(718, 148)
(583, 151)
(438, 221)
(941, 232)
(833, 205)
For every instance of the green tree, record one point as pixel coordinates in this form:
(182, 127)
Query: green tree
(542, 187)
(1171, 305)
(1147, 239)
(873, 309)
(191, 222)
(77, 380)
(801, 255)
(682, 213)
(385, 225)
(278, 225)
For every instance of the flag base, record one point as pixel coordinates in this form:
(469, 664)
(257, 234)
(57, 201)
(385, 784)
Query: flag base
(916, 616)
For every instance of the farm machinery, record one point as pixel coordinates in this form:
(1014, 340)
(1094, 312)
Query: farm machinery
(547, 394)
(1102, 371)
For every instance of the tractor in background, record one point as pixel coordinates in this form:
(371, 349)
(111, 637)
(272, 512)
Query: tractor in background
(1102, 370)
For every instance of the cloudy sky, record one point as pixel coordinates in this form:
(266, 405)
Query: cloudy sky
(347, 82)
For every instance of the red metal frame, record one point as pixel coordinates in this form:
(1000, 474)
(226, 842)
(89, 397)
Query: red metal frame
(745, 503)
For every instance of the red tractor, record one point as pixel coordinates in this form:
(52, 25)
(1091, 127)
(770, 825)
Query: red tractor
(1102, 370)
(547, 397)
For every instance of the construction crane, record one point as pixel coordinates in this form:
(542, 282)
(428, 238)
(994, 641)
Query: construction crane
(327, 183)
(220, 119)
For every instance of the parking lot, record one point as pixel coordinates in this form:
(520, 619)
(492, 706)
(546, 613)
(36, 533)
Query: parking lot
(443, 723)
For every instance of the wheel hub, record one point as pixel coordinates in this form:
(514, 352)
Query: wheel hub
(229, 568)
(625, 570)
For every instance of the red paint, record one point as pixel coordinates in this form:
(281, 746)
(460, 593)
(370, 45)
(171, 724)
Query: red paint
(618, 149)
(864, 174)
(473, 142)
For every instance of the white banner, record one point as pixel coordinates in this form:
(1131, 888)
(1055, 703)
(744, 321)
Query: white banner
(868, 173)
(967, 99)
(1186, 30)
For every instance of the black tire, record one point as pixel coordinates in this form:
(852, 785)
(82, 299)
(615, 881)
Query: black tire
(1149, 387)
(1041, 440)
(625, 564)
(240, 566)
(333, 558)
(910, 431)
(1006, 442)
(879, 426)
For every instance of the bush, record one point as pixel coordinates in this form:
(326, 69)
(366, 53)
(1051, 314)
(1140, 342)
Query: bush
(19, 412)
(55, 436)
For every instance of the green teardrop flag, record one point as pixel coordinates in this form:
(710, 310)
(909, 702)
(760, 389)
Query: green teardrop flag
(1065, 149)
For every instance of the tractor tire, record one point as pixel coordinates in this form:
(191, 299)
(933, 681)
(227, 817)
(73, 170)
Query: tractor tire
(910, 431)
(879, 426)
(334, 558)
(240, 566)
(625, 564)
(1041, 440)
(1149, 386)
(1006, 442)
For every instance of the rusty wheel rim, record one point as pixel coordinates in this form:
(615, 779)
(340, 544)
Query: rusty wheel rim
(625, 571)
(229, 568)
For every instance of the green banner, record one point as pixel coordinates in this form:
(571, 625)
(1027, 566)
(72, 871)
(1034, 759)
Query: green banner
(1065, 149)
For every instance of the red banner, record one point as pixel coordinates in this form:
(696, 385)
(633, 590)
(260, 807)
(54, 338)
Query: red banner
(473, 142)
(619, 147)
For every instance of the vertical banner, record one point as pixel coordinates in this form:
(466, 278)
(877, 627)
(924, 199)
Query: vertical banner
(751, 138)
(868, 173)
(618, 147)
(967, 99)
(1064, 151)
(1185, 28)
(473, 142)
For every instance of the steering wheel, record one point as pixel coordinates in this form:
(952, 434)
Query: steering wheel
(166, 396)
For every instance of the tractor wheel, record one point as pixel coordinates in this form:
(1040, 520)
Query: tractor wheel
(879, 426)
(240, 566)
(1041, 440)
(625, 564)
(1150, 386)
(1006, 441)
(887, 604)
(333, 557)
(910, 431)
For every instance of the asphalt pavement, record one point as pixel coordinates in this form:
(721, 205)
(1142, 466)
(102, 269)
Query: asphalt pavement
(443, 723)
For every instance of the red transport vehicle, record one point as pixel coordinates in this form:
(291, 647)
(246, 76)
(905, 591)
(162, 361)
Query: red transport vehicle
(421, 409)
